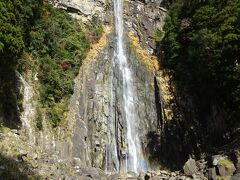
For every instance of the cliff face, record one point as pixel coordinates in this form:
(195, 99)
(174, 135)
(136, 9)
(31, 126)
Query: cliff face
(144, 18)
(93, 134)
(95, 120)
(89, 107)
(97, 104)
(86, 10)
(97, 113)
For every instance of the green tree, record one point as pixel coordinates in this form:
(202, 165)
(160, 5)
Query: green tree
(202, 50)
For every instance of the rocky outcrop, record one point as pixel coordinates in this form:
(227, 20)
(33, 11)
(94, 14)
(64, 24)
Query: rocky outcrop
(95, 120)
(96, 113)
(44, 139)
(86, 10)
(29, 114)
(190, 167)
(217, 167)
(143, 18)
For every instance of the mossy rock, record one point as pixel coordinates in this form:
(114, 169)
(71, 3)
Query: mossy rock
(226, 168)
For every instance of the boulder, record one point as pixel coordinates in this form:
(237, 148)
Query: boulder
(173, 178)
(235, 177)
(15, 131)
(164, 172)
(184, 178)
(34, 156)
(190, 167)
(199, 176)
(159, 177)
(237, 160)
(114, 177)
(211, 173)
(217, 158)
(23, 152)
(225, 167)
(201, 165)
(94, 173)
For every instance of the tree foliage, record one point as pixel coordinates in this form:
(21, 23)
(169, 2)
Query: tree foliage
(11, 42)
(13, 30)
(55, 45)
(202, 49)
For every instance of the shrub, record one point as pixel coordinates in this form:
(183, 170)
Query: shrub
(158, 35)
(59, 43)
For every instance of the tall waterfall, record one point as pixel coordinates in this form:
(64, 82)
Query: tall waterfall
(134, 158)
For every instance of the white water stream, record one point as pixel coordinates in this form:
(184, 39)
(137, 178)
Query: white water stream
(134, 159)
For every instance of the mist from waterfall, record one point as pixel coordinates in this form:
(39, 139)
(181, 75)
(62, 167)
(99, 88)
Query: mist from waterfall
(134, 161)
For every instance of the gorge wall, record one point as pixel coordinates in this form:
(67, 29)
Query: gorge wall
(94, 125)
(92, 139)
(93, 130)
(96, 106)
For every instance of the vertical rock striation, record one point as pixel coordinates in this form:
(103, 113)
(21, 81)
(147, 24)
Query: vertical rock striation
(97, 115)
(96, 128)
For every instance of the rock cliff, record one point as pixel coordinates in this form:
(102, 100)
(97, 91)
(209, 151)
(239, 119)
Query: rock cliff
(96, 118)
(97, 99)
(86, 10)
(144, 18)
(97, 102)
(92, 137)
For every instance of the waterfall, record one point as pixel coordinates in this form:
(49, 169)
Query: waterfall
(134, 158)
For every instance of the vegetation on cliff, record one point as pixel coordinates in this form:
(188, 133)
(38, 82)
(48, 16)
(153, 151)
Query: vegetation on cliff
(59, 44)
(16, 19)
(36, 35)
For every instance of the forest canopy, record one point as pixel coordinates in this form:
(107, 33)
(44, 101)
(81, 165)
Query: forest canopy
(202, 50)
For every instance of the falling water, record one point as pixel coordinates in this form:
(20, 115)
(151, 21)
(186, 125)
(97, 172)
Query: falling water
(134, 158)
